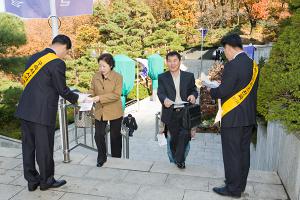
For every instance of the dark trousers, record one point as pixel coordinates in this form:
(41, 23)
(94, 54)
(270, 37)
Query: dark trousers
(236, 156)
(131, 130)
(115, 139)
(38, 142)
(180, 137)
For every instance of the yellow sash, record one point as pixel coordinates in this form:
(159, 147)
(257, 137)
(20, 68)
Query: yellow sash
(36, 67)
(239, 97)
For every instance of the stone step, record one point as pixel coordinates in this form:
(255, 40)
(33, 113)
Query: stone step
(130, 180)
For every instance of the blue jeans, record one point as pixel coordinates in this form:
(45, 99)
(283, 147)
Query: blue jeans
(187, 149)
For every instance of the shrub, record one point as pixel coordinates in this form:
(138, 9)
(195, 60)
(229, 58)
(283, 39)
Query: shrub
(12, 32)
(9, 125)
(279, 88)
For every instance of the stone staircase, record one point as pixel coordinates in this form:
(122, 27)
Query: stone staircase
(122, 179)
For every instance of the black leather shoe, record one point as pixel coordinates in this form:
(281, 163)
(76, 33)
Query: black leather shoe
(224, 192)
(100, 164)
(32, 187)
(181, 165)
(55, 184)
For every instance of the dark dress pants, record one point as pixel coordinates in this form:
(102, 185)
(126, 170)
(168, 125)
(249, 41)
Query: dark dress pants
(115, 139)
(38, 142)
(131, 130)
(180, 137)
(236, 156)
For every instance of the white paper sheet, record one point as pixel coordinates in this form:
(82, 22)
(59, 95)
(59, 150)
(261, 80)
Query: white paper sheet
(179, 104)
(219, 113)
(86, 106)
(208, 83)
(162, 141)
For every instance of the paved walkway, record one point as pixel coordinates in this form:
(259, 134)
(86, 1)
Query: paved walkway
(121, 179)
(205, 149)
(146, 176)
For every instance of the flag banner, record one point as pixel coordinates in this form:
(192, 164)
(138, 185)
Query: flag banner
(203, 32)
(250, 50)
(144, 68)
(74, 7)
(28, 8)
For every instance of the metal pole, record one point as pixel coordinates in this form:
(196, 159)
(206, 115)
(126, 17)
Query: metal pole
(2, 8)
(54, 20)
(156, 126)
(137, 88)
(64, 130)
(62, 123)
(84, 135)
(202, 43)
(199, 72)
(127, 143)
(92, 135)
(76, 135)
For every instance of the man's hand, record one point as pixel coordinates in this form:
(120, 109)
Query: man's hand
(168, 103)
(191, 99)
(96, 99)
(208, 89)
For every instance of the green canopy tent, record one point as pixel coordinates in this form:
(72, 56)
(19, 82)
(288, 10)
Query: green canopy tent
(126, 67)
(156, 67)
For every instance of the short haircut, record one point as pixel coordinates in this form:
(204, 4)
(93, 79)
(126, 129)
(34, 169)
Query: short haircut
(108, 58)
(62, 39)
(173, 53)
(233, 40)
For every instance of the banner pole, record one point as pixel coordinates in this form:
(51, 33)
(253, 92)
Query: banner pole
(62, 113)
(2, 8)
(54, 20)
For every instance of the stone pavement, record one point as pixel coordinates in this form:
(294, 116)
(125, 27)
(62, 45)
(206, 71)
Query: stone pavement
(205, 149)
(122, 179)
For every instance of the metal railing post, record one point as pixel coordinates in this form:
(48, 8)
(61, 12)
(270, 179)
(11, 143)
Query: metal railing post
(107, 129)
(76, 133)
(64, 130)
(127, 142)
(92, 135)
(157, 119)
(84, 135)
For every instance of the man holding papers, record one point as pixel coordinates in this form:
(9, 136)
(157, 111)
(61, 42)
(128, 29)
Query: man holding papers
(238, 93)
(176, 88)
(44, 80)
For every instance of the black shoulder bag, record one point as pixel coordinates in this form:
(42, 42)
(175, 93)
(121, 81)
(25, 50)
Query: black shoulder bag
(191, 116)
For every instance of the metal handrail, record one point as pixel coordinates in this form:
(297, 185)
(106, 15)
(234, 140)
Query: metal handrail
(63, 106)
(157, 121)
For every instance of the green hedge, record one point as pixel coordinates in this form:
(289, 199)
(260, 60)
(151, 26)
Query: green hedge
(279, 87)
(143, 93)
(9, 125)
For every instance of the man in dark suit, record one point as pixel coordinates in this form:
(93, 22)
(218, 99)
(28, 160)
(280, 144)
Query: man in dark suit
(238, 124)
(37, 110)
(174, 87)
(131, 124)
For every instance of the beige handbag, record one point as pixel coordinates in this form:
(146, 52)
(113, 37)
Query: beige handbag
(84, 119)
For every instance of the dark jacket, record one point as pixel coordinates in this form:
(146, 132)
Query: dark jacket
(236, 76)
(39, 100)
(166, 89)
(131, 125)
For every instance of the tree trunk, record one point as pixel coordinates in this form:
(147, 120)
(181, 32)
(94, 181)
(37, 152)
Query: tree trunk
(252, 25)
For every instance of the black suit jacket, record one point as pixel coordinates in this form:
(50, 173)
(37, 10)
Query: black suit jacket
(131, 125)
(236, 76)
(39, 100)
(166, 89)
